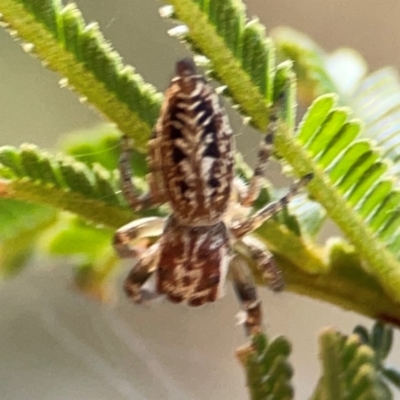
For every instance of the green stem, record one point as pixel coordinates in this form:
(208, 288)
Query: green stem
(81, 55)
(384, 264)
(90, 209)
(330, 356)
(304, 254)
(346, 286)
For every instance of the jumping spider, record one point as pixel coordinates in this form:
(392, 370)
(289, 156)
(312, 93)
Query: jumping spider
(191, 162)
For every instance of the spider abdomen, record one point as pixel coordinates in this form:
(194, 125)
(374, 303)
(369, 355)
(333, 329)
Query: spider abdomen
(193, 262)
(194, 151)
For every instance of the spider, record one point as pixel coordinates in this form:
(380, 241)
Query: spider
(191, 163)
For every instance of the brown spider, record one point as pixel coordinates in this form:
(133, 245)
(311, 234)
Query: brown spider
(191, 162)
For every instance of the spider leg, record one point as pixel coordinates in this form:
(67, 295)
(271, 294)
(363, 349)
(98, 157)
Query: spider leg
(264, 260)
(263, 156)
(138, 286)
(246, 293)
(135, 201)
(240, 228)
(125, 237)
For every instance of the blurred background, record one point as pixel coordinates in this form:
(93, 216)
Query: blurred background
(55, 343)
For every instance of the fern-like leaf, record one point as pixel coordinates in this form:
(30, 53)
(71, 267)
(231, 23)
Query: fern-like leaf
(350, 182)
(343, 179)
(349, 369)
(267, 368)
(59, 36)
(380, 339)
(62, 182)
(374, 99)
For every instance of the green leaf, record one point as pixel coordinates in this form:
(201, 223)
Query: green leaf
(310, 216)
(318, 72)
(374, 99)
(363, 334)
(393, 376)
(380, 340)
(59, 36)
(62, 182)
(339, 187)
(268, 371)
(349, 370)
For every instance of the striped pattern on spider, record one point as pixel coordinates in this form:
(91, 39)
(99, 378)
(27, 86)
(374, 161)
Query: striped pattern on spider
(191, 163)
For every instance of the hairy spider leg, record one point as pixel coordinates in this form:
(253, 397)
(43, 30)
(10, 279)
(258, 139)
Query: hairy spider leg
(138, 286)
(265, 261)
(136, 202)
(255, 248)
(264, 153)
(125, 237)
(246, 293)
(241, 228)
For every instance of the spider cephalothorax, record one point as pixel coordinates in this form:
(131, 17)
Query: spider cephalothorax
(191, 162)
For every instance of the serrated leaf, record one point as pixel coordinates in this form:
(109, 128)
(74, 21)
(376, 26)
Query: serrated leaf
(345, 173)
(268, 371)
(349, 370)
(59, 35)
(66, 184)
